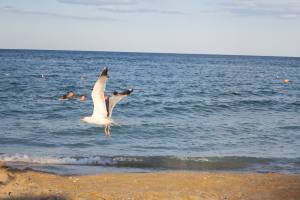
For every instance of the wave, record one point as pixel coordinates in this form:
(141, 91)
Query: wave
(290, 127)
(238, 163)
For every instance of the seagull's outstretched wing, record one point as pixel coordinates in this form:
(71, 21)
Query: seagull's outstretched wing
(115, 98)
(98, 95)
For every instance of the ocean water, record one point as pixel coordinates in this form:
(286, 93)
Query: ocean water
(187, 112)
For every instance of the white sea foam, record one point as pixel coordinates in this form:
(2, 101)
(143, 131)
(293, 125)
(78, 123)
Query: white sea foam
(156, 162)
(19, 158)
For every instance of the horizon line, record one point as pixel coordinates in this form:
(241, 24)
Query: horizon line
(146, 52)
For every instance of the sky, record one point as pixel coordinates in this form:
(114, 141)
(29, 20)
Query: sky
(239, 27)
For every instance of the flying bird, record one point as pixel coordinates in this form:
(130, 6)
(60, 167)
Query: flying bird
(103, 104)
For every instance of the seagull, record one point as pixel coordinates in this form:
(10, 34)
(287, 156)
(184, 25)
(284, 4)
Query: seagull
(103, 105)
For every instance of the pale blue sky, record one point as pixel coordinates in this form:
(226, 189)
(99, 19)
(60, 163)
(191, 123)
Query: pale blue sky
(251, 27)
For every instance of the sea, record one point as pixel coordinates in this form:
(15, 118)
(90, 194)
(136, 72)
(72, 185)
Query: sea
(187, 112)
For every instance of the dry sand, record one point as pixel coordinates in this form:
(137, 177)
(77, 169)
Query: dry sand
(25, 185)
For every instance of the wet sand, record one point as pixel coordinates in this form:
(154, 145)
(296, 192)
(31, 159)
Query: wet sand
(23, 185)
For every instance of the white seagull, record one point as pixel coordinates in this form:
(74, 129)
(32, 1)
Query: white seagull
(103, 105)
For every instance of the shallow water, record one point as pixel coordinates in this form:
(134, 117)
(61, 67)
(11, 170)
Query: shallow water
(192, 112)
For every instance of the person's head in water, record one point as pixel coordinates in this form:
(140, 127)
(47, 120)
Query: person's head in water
(82, 98)
(71, 94)
(64, 97)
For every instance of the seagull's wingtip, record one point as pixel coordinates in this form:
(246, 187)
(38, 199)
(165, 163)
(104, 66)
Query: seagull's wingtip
(129, 91)
(126, 92)
(104, 72)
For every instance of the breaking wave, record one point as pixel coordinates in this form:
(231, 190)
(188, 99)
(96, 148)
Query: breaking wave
(234, 163)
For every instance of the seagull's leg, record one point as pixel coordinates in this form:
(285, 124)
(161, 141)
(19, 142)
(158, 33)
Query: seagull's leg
(106, 130)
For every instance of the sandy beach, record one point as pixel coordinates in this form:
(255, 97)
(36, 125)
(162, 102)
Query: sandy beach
(15, 184)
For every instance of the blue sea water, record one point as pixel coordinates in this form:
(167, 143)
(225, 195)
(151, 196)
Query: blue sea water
(188, 112)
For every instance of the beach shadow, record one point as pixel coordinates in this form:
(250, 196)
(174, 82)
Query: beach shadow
(42, 197)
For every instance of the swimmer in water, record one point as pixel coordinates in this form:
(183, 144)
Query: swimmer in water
(82, 98)
(69, 95)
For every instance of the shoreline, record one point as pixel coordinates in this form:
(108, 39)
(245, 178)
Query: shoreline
(29, 184)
